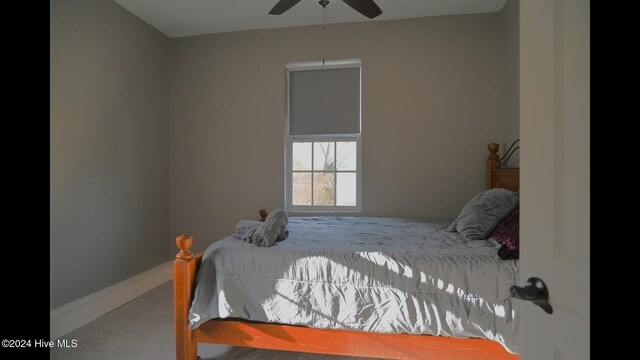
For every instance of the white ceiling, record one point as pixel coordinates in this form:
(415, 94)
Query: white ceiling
(179, 18)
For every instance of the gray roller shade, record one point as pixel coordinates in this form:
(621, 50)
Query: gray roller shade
(324, 101)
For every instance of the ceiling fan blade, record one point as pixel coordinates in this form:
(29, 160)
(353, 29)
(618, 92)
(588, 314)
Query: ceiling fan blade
(282, 6)
(367, 8)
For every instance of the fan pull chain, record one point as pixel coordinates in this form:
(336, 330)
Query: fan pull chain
(324, 24)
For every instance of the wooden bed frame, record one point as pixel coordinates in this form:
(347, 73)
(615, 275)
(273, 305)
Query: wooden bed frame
(237, 332)
(499, 177)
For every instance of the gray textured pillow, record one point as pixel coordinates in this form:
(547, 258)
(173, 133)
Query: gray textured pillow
(483, 213)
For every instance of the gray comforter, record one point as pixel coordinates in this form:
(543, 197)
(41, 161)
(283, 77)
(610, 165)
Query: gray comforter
(369, 274)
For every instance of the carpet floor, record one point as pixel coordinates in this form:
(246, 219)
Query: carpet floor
(143, 329)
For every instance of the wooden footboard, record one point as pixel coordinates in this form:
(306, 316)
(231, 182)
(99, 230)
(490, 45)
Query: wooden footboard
(185, 268)
(344, 342)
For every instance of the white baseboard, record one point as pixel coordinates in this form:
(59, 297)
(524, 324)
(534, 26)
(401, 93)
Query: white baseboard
(75, 314)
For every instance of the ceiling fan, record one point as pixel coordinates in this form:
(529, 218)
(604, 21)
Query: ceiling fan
(367, 8)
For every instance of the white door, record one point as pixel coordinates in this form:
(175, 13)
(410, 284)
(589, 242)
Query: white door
(554, 161)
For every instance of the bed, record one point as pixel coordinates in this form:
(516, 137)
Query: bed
(303, 294)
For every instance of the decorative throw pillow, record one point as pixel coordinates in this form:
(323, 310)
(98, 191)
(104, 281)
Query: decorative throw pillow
(507, 254)
(483, 213)
(507, 233)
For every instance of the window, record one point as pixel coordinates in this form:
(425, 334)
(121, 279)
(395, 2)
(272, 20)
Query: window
(323, 167)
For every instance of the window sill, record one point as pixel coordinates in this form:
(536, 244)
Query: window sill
(324, 212)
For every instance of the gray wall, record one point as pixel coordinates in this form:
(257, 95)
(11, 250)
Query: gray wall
(509, 49)
(109, 204)
(431, 101)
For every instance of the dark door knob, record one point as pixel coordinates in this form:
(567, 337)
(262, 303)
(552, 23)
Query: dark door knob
(534, 290)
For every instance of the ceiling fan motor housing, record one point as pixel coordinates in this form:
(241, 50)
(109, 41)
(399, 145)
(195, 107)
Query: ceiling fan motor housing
(367, 8)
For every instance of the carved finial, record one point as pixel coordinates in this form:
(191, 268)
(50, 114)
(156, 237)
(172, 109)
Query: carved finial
(184, 243)
(493, 150)
(263, 214)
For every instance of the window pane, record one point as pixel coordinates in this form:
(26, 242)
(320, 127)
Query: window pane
(301, 156)
(323, 154)
(301, 188)
(346, 189)
(346, 155)
(323, 188)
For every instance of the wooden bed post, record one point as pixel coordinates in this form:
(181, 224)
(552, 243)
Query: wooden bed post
(492, 162)
(184, 277)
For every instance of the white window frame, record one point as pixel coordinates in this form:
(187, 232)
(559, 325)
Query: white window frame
(290, 139)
